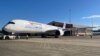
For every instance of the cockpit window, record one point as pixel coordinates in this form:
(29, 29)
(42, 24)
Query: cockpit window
(11, 23)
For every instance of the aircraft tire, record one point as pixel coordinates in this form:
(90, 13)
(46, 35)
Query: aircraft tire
(56, 36)
(43, 35)
(7, 38)
(57, 33)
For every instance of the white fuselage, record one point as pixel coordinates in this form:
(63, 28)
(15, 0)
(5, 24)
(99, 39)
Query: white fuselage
(24, 26)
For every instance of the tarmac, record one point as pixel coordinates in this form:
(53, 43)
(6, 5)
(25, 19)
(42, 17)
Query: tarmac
(63, 46)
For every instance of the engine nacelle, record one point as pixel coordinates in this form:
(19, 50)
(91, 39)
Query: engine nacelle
(59, 32)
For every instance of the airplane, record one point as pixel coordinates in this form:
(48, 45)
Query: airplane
(30, 27)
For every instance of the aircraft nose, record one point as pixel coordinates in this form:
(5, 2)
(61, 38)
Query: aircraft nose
(7, 28)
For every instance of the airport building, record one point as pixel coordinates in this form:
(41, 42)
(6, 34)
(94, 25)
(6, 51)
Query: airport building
(73, 30)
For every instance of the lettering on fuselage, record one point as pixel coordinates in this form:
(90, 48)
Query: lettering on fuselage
(33, 26)
(30, 27)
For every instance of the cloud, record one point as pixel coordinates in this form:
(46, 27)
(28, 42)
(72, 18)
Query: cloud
(92, 17)
(96, 27)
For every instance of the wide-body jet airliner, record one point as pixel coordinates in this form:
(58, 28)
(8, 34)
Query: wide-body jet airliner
(30, 27)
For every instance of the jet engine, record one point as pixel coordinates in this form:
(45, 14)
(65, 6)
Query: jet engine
(59, 32)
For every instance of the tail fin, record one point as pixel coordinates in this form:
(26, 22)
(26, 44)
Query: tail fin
(64, 25)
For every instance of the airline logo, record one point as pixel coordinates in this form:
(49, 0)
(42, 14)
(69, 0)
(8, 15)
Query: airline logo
(32, 25)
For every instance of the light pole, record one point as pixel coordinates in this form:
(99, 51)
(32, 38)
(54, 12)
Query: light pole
(92, 28)
(70, 21)
(69, 16)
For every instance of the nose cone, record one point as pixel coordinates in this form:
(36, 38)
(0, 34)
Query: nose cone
(7, 28)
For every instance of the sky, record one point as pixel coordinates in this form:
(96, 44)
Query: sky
(81, 12)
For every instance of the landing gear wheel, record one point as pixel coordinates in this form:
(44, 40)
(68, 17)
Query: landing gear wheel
(57, 33)
(56, 36)
(7, 38)
(43, 36)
